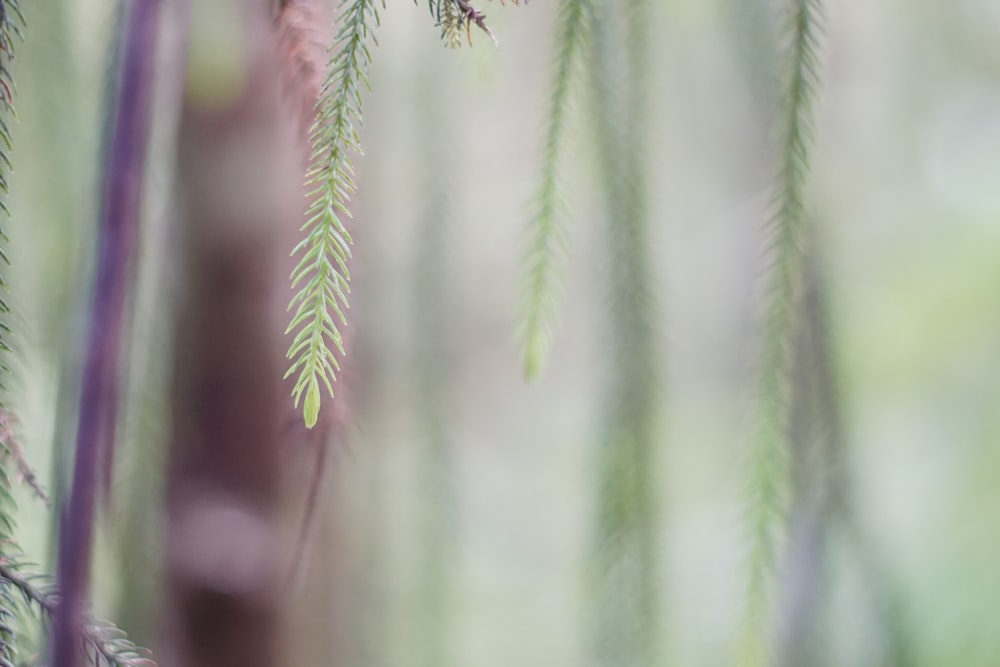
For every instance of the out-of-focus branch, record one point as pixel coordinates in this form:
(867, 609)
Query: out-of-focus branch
(100, 638)
(117, 231)
(15, 452)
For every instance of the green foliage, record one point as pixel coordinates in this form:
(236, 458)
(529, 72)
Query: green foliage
(456, 17)
(626, 604)
(545, 252)
(10, 611)
(449, 17)
(103, 643)
(770, 480)
(23, 591)
(322, 275)
(11, 21)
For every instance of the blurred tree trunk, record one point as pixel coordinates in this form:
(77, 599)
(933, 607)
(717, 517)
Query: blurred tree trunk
(240, 200)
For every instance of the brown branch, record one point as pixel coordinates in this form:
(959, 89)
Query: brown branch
(472, 15)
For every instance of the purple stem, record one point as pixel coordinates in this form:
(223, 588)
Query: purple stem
(117, 235)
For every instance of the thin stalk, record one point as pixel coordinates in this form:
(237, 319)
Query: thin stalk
(770, 474)
(117, 232)
(626, 604)
(544, 255)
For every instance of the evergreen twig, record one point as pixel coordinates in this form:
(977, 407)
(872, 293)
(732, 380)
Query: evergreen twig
(544, 254)
(770, 475)
(625, 630)
(455, 17)
(817, 471)
(11, 21)
(102, 642)
(21, 590)
(322, 271)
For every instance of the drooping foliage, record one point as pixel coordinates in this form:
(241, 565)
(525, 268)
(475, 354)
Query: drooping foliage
(456, 18)
(770, 473)
(625, 603)
(322, 277)
(29, 599)
(796, 439)
(545, 250)
(11, 21)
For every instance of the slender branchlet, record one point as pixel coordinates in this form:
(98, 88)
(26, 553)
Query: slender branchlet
(103, 644)
(321, 276)
(13, 452)
(545, 250)
(11, 21)
(816, 468)
(24, 591)
(117, 232)
(770, 475)
(625, 602)
(302, 36)
(9, 611)
(456, 18)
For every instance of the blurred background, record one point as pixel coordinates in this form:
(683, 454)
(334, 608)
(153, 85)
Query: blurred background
(457, 515)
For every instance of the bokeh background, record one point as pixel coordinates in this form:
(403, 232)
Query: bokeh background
(452, 457)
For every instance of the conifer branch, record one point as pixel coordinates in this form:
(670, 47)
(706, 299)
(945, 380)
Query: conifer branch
(11, 21)
(13, 451)
(302, 36)
(22, 590)
(545, 251)
(322, 274)
(456, 17)
(816, 467)
(102, 642)
(770, 474)
(626, 603)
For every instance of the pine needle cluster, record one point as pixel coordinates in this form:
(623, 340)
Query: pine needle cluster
(770, 483)
(322, 275)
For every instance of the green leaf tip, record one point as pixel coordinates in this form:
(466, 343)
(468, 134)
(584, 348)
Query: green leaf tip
(322, 278)
(310, 408)
(535, 355)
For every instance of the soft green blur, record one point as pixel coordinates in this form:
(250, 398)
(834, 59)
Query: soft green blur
(905, 186)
